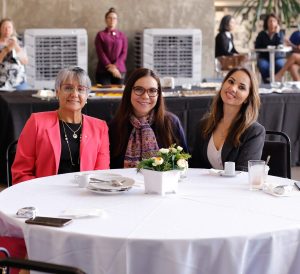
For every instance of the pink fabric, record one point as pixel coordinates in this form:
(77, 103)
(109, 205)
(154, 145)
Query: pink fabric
(142, 142)
(16, 248)
(39, 147)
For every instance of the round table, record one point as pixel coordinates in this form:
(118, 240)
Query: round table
(272, 51)
(213, 224)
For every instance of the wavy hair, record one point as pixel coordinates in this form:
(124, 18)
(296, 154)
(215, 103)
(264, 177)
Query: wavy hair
(163, 126)
(245, 118)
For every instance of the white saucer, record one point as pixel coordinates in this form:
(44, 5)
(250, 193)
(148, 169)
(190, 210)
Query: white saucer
(222, 173)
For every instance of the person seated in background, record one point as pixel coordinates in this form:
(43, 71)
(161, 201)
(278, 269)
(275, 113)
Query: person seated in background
(230, 131)
(142, 125)
(224, 40)
(12, 58)
(270, 36)
(293, 62)
(64, 140)
(111, 46)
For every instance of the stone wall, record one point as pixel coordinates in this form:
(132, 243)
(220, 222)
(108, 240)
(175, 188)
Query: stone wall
(134, 15)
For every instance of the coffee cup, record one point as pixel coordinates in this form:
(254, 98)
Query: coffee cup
(82, 179)
(229, 168)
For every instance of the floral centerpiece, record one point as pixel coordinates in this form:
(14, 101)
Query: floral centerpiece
(171, 158)
(161, 172)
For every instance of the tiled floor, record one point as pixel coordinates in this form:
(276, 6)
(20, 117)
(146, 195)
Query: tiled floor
(295, 176)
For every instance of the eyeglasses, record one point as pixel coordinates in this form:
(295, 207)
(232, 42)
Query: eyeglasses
(68, 88)
(139, 91)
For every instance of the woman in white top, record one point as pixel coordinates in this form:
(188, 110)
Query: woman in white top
(230, 131)
(12, 58)
(224, 40)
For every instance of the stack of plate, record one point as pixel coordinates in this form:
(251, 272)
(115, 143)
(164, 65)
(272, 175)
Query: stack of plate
(109, 184)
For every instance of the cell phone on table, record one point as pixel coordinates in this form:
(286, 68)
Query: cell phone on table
(48, 221)
(297, 184)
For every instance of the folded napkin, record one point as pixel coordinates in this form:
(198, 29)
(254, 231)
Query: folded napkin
(278, 190)
(82, 212)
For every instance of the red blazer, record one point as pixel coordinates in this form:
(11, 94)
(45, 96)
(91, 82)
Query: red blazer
(39, 147)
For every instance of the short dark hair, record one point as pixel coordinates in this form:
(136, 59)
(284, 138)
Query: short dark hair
(268, 16)
(224, 24)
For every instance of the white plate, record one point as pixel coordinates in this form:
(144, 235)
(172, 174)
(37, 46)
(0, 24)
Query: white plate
(127, 183)
(106, 192)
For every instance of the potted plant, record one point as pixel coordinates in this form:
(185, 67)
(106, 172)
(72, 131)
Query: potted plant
(162, 172)
(287, 10)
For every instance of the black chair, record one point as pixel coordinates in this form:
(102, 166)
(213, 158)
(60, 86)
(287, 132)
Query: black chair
(38, 266)
(278, 146)
(6, 254)
(10, 156)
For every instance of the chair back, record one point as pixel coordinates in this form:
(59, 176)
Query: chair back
(6, 255)
(278, 146)
(10, 157)
(229, 62)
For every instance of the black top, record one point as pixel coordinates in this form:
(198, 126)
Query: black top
(222, 45)
(118, 161)
(250, 148)
(65, 163)
(263, 40)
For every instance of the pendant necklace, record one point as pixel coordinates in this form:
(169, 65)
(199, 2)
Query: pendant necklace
(67, 141)
(75, 135)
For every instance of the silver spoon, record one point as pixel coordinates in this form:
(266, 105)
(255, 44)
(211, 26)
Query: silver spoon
(113, 181)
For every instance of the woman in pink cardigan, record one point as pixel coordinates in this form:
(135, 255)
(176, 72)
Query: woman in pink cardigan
(65, 140)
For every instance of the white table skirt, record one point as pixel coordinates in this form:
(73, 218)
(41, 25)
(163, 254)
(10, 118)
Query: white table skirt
(213, 225)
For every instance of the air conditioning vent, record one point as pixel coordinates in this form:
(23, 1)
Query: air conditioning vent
(171, 53)
(50, 50)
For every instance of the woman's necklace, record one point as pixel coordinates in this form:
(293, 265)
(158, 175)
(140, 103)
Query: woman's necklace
(75, 136)
(67, 141)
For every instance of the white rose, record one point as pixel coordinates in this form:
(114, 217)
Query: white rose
(173, 149)
(164, 150)
(182, 163)
(179, 148)
(158, 161)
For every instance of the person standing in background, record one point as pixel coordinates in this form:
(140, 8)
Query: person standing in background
(111, 46)
(270, 36)
(224, 40)
(12, 58)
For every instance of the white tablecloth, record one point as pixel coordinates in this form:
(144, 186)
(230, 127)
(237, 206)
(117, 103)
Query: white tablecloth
(213, 225)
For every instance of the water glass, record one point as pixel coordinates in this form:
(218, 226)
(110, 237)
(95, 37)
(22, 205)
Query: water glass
(257, 174)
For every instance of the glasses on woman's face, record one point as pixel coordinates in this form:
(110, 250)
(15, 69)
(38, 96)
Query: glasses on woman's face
(139, 91)
(68, 88)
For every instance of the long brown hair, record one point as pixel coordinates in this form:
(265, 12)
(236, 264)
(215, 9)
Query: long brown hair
(247, 115)
(163, 126)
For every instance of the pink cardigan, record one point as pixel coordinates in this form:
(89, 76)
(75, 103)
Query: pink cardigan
(39, 147)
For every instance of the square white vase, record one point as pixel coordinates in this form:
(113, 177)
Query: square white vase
(161, 182)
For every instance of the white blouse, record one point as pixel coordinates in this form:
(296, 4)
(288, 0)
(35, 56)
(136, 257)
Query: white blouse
(214, 155)
(230, 46)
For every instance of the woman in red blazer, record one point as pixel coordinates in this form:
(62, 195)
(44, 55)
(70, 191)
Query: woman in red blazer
(65, 140)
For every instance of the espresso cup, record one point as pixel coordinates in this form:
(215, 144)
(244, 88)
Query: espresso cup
(82, 179)
(229, 168)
